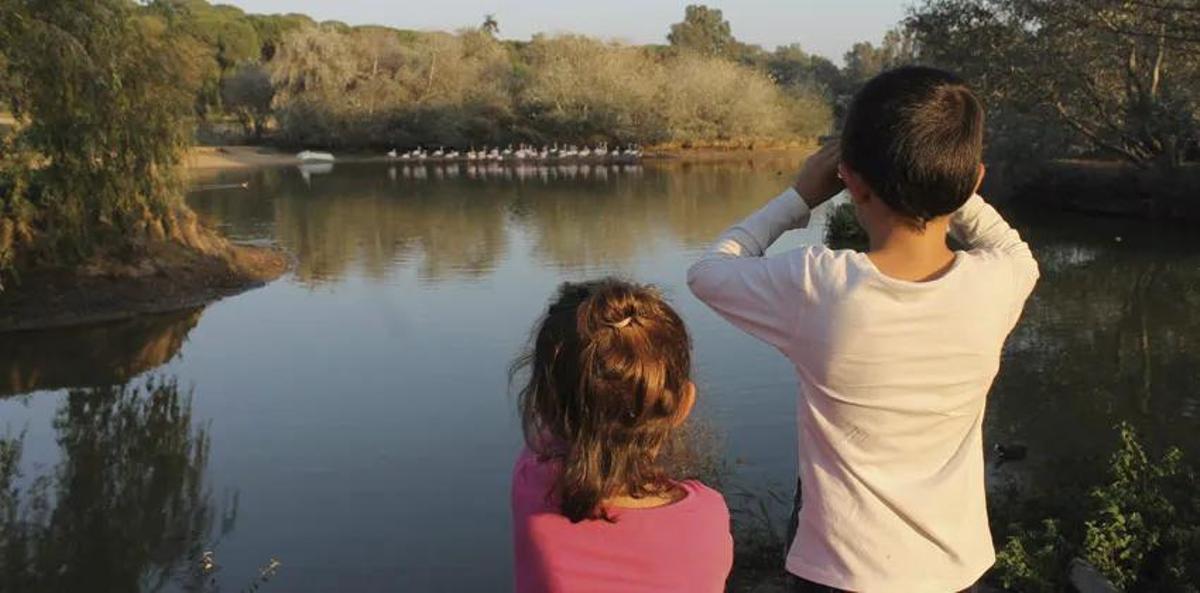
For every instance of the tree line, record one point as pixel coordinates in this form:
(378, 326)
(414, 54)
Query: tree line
(331, 84)
(1079, 78)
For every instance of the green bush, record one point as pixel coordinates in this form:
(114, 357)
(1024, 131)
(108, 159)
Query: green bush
(105, 97)
(842, 230)
(1141, 529)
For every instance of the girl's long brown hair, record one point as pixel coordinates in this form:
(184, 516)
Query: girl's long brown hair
(609, 370)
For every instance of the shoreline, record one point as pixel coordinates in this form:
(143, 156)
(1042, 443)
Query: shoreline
(202, 158)
(173, 277)
(1080, 186)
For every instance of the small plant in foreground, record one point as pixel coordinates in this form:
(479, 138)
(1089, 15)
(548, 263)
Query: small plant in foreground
(1141, 530)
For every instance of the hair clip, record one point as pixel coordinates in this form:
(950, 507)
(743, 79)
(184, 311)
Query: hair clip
(622, 323)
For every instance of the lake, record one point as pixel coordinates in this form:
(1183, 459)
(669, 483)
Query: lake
(352, 420)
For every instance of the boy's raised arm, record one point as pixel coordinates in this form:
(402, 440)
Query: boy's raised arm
(764, 295)
(978, 225)
(757, 294)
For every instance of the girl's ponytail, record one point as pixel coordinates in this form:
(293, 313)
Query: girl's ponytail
(609, 373)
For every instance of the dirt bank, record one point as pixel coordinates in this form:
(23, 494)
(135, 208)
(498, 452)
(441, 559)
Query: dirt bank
(162, 276)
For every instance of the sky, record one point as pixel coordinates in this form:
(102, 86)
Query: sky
(826, 27)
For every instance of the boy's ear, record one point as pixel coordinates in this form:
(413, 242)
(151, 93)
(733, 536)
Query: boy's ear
(859, 191)
(979, 179)
(686, 404)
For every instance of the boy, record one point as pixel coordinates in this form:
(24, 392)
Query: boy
(895, 348)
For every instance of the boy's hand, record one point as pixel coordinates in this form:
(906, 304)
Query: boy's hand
(818, 180)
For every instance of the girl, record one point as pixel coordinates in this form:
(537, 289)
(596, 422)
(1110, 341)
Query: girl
(594, 509)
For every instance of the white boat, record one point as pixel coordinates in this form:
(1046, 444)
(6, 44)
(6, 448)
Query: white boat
(312, 156)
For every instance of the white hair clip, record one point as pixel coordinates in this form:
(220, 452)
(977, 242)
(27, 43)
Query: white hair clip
(622, 323)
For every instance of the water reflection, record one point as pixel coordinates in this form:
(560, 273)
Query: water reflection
(104, 354)
(1111, 334)
(307, 170)
(600, 224)
(457, 221)
(126, 507)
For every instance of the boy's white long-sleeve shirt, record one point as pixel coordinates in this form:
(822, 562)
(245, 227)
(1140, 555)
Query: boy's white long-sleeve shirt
(894, 377)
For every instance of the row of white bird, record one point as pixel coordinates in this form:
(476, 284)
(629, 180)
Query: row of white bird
(526, 172)
(520, 153)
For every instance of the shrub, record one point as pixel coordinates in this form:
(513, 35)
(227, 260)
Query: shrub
(842, 230)
(1141, 529)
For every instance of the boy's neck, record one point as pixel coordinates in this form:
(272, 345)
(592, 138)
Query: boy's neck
(906, 253)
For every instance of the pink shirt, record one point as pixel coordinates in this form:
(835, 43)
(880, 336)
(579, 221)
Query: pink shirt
(683, 547)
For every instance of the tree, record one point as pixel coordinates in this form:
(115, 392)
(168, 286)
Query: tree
(864, 60)
(107, 96)
(386, 87)
(248, 92)
(583, 90)
(228, 35)
(705, 31)
(272, 28)
(4, 84)
(792, 67)
(490, 25)
(1118, 77)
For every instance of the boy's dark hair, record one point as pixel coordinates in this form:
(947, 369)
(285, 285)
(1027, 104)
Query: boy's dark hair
(915, 135)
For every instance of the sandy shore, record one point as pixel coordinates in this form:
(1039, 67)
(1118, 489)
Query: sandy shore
(236, 157)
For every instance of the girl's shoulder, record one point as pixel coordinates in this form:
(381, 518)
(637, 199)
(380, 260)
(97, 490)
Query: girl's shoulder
(702, 496)
(533, 477)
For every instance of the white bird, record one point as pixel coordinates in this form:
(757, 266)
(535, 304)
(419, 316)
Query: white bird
(392, 153)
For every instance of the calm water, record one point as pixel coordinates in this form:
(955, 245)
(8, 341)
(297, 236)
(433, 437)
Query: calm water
(352, 419)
